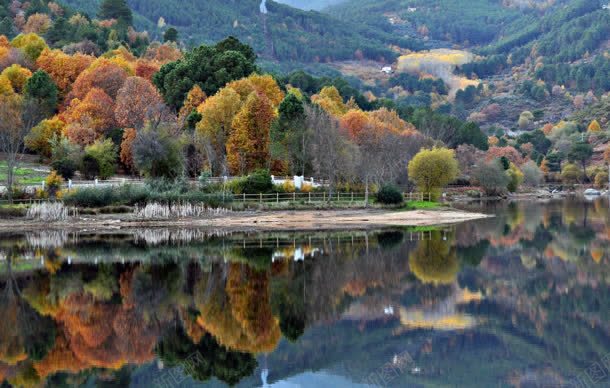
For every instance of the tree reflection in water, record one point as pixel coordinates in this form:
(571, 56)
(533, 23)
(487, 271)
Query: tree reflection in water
(527, 290)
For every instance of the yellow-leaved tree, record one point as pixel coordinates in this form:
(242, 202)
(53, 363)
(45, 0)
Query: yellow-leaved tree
(594, 126)
(432, 169)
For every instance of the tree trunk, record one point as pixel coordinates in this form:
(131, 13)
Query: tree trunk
(10, 166)
(366, 192)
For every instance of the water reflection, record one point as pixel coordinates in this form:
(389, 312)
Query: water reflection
(520, 299)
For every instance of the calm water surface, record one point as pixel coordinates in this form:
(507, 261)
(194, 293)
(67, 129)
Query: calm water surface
(522, 299)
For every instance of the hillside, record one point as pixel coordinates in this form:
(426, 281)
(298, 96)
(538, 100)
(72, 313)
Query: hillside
(284, 33)
(311, 4)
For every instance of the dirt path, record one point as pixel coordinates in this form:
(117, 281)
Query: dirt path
(263, 220)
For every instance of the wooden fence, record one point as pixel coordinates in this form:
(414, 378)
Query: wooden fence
(310, 197)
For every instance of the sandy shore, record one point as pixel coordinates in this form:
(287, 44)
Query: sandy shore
(262, 220)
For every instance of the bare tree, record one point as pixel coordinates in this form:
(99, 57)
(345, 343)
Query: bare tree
(17, 117)
(333, 156)
(384, 155)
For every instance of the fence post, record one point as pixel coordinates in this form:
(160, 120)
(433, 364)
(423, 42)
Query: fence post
(309, 197)
(277, 197)
(294, 196)
(95, 182)
(352, 196)
(244, 197)
(324, 196)
(260, 197)
(69, 184)
(43, 183)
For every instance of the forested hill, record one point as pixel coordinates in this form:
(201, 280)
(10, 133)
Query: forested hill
(563, 41)
(295, 35)
(311, 4)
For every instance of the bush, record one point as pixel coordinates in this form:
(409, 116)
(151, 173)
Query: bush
(389, 195)
(129, 195)
(90, 168)
(53, 183)
(106, 196)
(65, 167)
(13, 211)
(257, 182)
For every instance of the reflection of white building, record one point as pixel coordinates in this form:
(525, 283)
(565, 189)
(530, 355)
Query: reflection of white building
(387, 70)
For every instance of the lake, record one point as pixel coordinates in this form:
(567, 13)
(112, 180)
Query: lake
(521, 299)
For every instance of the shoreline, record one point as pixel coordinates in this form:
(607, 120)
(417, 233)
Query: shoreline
(260, 220)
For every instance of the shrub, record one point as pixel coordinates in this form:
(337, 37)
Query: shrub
(389, 195)
(306, 188)
(288, 187)
(257, 182)
(65, 167)
(104, 152)
(90, 168)
(12, 211)
(53, 183)
(106, 196)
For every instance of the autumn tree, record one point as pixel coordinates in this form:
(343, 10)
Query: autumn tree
(194, 98)
(64, 69)
(40, 136)
(37, 23)
(261, 84)
(90, 118)
(594, 126)
(126, 154)
(31, 44)
(432, 169)
(248, 142)
(17, 76)
(104, 74)
(133, 100)
(213, 129)
(330, 100)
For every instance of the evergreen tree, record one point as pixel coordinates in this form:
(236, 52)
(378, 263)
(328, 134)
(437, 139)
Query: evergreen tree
(40, 87)
(116, 9)
(170, 35)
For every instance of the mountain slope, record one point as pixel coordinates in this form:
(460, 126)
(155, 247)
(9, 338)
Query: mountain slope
(284, 33)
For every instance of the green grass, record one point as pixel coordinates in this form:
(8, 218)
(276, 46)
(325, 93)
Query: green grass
(23, 175)
(423, 205)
